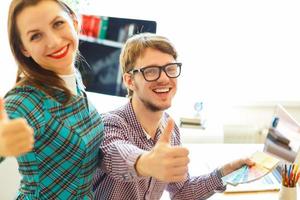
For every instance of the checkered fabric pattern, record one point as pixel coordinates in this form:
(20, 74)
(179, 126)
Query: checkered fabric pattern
(124, 141)
(66, 149)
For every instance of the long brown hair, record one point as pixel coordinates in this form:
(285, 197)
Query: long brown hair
(30, 72)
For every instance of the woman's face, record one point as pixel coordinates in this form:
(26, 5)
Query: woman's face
(49, 36)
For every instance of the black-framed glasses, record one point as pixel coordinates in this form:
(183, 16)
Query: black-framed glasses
(152, 73)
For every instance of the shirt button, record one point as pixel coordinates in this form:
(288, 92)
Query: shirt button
(125, 177)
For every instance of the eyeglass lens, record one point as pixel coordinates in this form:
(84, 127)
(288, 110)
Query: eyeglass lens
(153, 73)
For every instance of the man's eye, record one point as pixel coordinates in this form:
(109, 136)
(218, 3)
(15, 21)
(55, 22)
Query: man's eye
(172, 69)
(151, 71)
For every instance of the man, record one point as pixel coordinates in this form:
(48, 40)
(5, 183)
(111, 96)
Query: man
(16, 136)
(142, 152)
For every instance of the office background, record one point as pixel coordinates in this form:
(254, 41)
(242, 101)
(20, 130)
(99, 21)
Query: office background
(237, 55)
(240, 58)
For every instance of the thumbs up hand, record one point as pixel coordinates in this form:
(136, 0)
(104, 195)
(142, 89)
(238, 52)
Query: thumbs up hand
(164, 162)
(16, 136)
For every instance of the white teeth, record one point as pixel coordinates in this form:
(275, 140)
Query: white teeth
(162, 90)
(60, 52)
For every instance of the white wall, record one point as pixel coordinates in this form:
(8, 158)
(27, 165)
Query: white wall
(234, 50)
(9, 179)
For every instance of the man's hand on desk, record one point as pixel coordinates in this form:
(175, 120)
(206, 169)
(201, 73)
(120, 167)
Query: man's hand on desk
(230, 167)
(164, 162)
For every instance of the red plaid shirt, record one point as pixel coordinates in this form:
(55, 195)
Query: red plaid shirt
(124, 141)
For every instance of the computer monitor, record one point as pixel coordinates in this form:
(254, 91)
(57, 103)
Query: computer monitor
(100, 44)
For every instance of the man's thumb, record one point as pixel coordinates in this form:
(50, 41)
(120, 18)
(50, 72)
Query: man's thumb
(166, 136)
(3, 115)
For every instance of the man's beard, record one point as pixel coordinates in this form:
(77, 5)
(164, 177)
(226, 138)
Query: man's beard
(152, 107)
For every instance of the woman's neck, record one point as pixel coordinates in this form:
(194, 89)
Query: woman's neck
(70, 81)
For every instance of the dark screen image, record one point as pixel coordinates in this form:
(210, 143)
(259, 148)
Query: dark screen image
(102, 73)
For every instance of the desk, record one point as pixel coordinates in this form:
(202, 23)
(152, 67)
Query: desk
(206, 157)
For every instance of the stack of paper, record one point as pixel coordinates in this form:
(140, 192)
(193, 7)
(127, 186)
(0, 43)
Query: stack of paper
(264, 164)
(188, 122)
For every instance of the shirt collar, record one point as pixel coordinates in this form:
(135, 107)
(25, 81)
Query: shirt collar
(131, 116)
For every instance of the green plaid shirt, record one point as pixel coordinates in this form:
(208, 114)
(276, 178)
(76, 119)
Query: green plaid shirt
(66, 150)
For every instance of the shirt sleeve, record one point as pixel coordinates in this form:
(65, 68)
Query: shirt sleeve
(27, 106)
(198, 187)
(119, 154)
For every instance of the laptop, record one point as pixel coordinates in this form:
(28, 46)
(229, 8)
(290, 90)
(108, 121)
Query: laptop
(283, 139)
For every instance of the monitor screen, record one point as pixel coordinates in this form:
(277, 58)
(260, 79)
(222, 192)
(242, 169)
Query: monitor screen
(101, 40)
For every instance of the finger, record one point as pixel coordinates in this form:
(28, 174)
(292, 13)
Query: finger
(177, 151)
(20, 150)
(17, 125)
(180, 161)
(3, 115)
(180, 171)
(166, 136)
(26, 138)
(14, 141)
(249, 162)
(25, 145)
(241, 162)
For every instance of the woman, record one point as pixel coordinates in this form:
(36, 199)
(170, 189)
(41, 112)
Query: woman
(43, 36)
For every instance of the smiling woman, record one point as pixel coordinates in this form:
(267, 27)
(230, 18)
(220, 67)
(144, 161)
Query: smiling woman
(44, 43)
(49, 94)
(50, 40)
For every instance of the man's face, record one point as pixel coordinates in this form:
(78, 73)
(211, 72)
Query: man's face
(156, 95)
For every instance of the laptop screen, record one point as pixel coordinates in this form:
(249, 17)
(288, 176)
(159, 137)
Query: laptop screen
(288, 127)
(283, 139)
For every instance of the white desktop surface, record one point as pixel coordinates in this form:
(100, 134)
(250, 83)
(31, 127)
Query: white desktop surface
(206, 157)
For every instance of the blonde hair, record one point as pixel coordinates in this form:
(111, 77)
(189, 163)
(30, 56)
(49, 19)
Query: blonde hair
(135, 47)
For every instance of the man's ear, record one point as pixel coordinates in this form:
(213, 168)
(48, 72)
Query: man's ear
(128, 81)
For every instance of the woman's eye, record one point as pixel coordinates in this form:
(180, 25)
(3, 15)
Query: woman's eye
(35, 36)
(58, 24)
